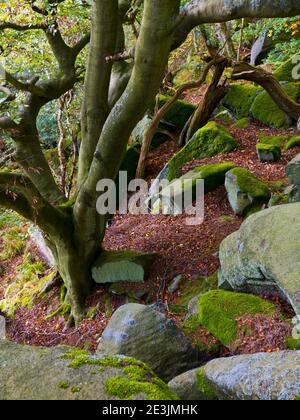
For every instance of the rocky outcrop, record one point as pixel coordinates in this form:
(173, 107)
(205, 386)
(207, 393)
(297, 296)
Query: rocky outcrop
(264, 255)
(62, 373)
(146, 334)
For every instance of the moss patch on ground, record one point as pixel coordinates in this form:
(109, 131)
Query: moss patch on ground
(218, 311)
(240, 98)
(292, 343)
(266, 110)
(207, 142)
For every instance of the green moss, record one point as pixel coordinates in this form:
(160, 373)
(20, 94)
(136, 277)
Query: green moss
(63, 385)
(26, 287)
(180, 112)
(224, 116)
(136, 377)
(214, 174)
(240, 98)
(250, 184)
(292, 343)
(75, 389)
(278, 198)
(218, 311)
(13, 243)
(279, 141)
(284, 72)
(91, 313)
(204, 386)
(293, 142)
(242, 123)
(207, 142)
(297, 398)
(73, 353)
(10, 219)
(266, 110)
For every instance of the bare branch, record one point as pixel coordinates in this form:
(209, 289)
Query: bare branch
(29, 86)
(21, 28)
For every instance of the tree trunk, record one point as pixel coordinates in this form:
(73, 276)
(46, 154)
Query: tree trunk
(212, 98)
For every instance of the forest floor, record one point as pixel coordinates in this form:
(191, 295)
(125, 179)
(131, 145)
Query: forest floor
(188, 250)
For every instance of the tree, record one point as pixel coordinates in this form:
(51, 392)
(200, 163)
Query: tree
(116, 98)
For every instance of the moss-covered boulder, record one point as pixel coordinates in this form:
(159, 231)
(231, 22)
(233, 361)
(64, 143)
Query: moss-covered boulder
(245, 191)
(212, 175)
(240, 98)
(122, 266)
(283, 142)
(261, 376)
(284, 73)
(142, 332)
(268, 152)
(263, 257)
(242, 123)
(209, 141)
(292, 171)
(179, 113)
(264, 109)
(218, 311)
(62, 373)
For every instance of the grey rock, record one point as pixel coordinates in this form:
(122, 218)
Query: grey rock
(261, 376)
(122, 266)
(35, 373)
(193, 307)
(264, 255)
(140, 130)
(293, 173)
(38, 238)
(2, 328)
(141, 332)
(186, 386)
(175, 284)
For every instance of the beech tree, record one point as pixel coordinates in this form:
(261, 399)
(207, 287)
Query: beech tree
(116, 97)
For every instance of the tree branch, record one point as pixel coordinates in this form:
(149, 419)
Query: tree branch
(215, 11)
(21, 28)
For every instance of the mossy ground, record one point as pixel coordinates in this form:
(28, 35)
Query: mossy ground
(266, 110)
(218, 311)
(240, 98)
(292, 343)
(207, 142)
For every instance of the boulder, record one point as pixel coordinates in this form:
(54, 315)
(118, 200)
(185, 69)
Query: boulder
(240, 98)
(180, 112)
(283, 142)
(175, 283)
(141, 129)
(38, 239)
(213, 176)
(245, 191)
(189, 386)
(261, 376)
(218, 310)
(292, 171)
(263, 257)
(62, 373)
(268, 152)
(265, 110)
(141, 332)
(122, 266)
(209, 141)
(284, 73)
